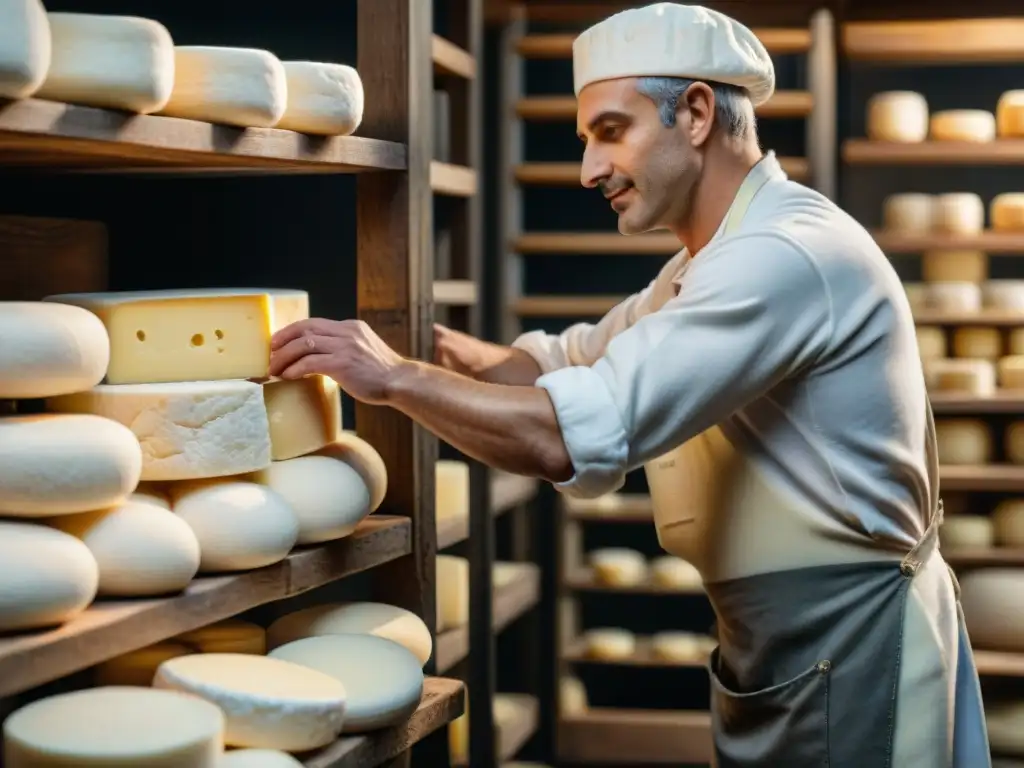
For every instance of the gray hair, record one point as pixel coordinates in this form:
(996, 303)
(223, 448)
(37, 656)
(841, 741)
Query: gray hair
(733, 110)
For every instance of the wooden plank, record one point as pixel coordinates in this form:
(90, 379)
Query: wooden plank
(966, 558)
(605, 736)
(595, 243)
(443, 701)
(568, 174)
(1003, 401)
(998, 152)
(43, 256)
(984, 317)
(54, 135)
(110, 628)
(452, 180)
(559, 46)
(450, 59)
(583, 581)
(565, 306)
(998, 664)
(991, 242)
(991, 478)
(455, 293)
(946, 41)
(782, 104)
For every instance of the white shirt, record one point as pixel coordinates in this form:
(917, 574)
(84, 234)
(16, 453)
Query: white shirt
(793, 332)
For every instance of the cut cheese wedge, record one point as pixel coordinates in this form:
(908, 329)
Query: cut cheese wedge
(304, 415)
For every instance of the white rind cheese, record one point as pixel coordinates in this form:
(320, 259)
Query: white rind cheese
(258, 758)
(963, 441)
(959, 213)
(1006, 212)
(187, 429)
(324, 99)
(24, 48)
(993, 604)
(966, 532)
(117, 62)
(900, 116)
(954, 297)
(682, 647)
(975, 377)
(1003, 295)
(1010, 115)
(908, 213)
(362, 457)
(978, 343)
(675, 573)
(973, 125)
(609, 644)
(931, 342)
(1008, 523)
(618, 566)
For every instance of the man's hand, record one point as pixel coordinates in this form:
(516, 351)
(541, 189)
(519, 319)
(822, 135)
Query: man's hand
(346, 350)
(482, 360)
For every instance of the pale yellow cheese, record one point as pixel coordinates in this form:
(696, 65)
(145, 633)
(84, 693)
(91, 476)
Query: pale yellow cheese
(1015, 342)
(363, 458)
(1013, 442)
(1006, 212)
(1008, 523)
(227, 636)
(572, 695)
(978, 342)
(954, 297)
(451, 490)
(180, 335)
(618, 566)
(675, 573)
(965, 375)
(681, 647)
(1011, 372)
(993, 604)
(288, 305)
(908, 213)
(897, 116)
(966, 532)
(609, 644)
(1003, 295)
(974, 125)
(1010, 115)
(137, 667)
(304, 415)
(452, 592)
(954, 266)
(931, 342)
(324, 99)
(959, 213)
(258, 758)
(25, 48)
(963, 441)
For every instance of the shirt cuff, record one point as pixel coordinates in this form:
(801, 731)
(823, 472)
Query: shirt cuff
(544, 348)
(592, 430)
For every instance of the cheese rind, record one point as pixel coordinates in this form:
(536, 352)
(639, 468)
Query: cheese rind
(1003, 295)
(451, 490)
(324, 99)
(931, 342)
(681, 647)
(974, 125)
(1006, 212)
(954, 266)
(900, 116)
(304, 415)
(187, 429)
(993, 604)
(976, 377)
(258, 758)
(908, 213)
(181, 335)
(966, 532)
(362, 457)
(618, 566)
(452, 590)
(117, 62)
(1011, 372)
(978, 343)
(24, 48)
(959, 213)
(963, 441)
(954, 297)
(674, 572)
(1010, 115)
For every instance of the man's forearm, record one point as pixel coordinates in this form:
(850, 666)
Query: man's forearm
(516, 369)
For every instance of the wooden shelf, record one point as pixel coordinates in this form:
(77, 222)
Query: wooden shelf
(513, 734)
(111, 628)
(507, 491)
(999, 152)
(565, 306)
(455, 293)
(953, 403)
(994, 478)
(782, 104)
(449, 59)
(568, 174)
(443, 701)
(985, 317)
(642, 657)
(999, 664)
(990, 242)
(611, 508)
(605, 736)
(452, 180)
(514, 595)
(983, 558)
(953, 41)
(48, 134)
(595, 243)
(584, 582)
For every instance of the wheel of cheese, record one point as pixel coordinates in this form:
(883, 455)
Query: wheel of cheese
(1006, 212)
(244, 87)
(367, 618)
(910, 213)
(963, 441)
(240, 526)
(572, 696)
(618, 566)
(954, 266)
(452, 591)
(115, 727)
(24, 48)
(954, 297)
(931, 342)
(1003, 295)
(978, 343)
(1003, 722)
(49, 349)
(897, 116)
(1015, 341)
(917, 296)
(959, 213)
(142, 550)
(137, 667)
(609, 644)
(1011, 372)
(974, 125)
(365, 459)
(324, 99)
(117, 62)
(383, 680)
(675, 573)
(227, 636)
(975, 377)
(681, 647)
(46, 577)
(451, 490)
(1013, 442)
(54, 465)
(1010, 115)
(258, 758)
(267, 702)
(966, 532)
(993, 603)
(1008, 523)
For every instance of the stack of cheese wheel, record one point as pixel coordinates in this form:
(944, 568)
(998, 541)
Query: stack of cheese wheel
(964, 441)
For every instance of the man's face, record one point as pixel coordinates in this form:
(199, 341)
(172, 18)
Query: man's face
(645, 169)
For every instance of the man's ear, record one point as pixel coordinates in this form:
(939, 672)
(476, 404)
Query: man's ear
(698, 102)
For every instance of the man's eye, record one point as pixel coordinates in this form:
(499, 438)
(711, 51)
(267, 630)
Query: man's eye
(611, 133)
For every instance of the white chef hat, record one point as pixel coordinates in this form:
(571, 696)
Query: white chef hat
(673, 40)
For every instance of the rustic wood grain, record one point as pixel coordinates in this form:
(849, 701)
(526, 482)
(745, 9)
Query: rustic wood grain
(43, 256)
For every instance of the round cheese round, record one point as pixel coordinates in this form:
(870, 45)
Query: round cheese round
(974, 125)
(966, 532)
(931, 342)
(452, 591)
(116, 62)
(1006, 212)
(1008, 523)
(963, 441)
(609, 644)
(24, 48)
(1003, 295)
(959, 213)
(897, 116)
(365, 618)
(1015, 341)
(572, 696)
(978, 343)
(993, 604)
(227, 636)
(451, 492)
(910, 213)
(258, 758)
(142, 550)
(618, 566)
(267, 702)
(675, 573)
(46, 577)
(325, 99)
(976, 377)
(1003, 722)
(681, 647)
(954, 266)
(1011, 372)
(362, 457)
(137, 667)
(1013, 442)
(49, 349)
(115, 727)
(240, 526)
(63, 464)
(917, 296)
(1010, 115)
(954, 297)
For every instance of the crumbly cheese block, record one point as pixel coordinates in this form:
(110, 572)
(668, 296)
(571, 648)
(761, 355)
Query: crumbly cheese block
(46, 577)
(117, 62)
(681, 647)
(1006, 212)
(63, 464)
(362, 457)
(897, 116)
(328, 497)
(978, 342)
(239, 525)
(966, 532)
(618, 566)
(142, 550)
(137, 667)
(244, 87)
(917, 296)
(1010, 115)
(49, 349)
(1013, 442)
(965, 375)
(609, 644)
(452, 592)
(1003, 295)
(187, 429)
(181, 335)
(1011, 372)
(908, 213)
(1008, 523)
(954, 266)
(959, 213)
(931, 342)
(993, 603)
(383, 680)
(963, 441)
(674, 572)
(324, 99)
(258, 758)
(227, 636)
(304, 415)
(364, 618)
(267, 702)
(572, 696)
(24, 48)
(1003, 720)
(974, 125)
(451, 490)
(954, 297)
(115, 727)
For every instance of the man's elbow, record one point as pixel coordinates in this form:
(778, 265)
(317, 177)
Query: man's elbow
(556, 464)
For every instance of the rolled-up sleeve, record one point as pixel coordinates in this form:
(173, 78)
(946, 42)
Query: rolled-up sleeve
(749, 314)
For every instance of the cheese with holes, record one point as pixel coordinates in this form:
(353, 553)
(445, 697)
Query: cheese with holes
(187, 429)
(1010, 115)
(287, 305)
(993, 604)
(258, 758)
(675, 573)
(267, 702)
(142, 550)
(964, 375)
(61, 464)
(963, 441)
(1003, 295)
(978, 342)
(46, 577)
(974, 125)
(897, 116)
(328, 497)
(1006, 212)
(609, 644)
(116, 62)
(362, 457)
(383, 680)
(954, 266)
(1008, 523)
(243, 87)
(917, 296)
(451, 490)
(115, 727)
(49, 349)
(181, 335)
(137, 667)
(1013, 442)
(959, 213)
(1011, 372)
(618, 566)
(908, 213)
(24, 48)
(304, 415)
(239, 525)
(681, 647)
(227, 636)
(966, 532)
(364, 618)
(954, 297)
(452, 592)
(324, 99)
(931, 342)
(572, 696)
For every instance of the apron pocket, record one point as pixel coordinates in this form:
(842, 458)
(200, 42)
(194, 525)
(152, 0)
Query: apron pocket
(782, 726)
